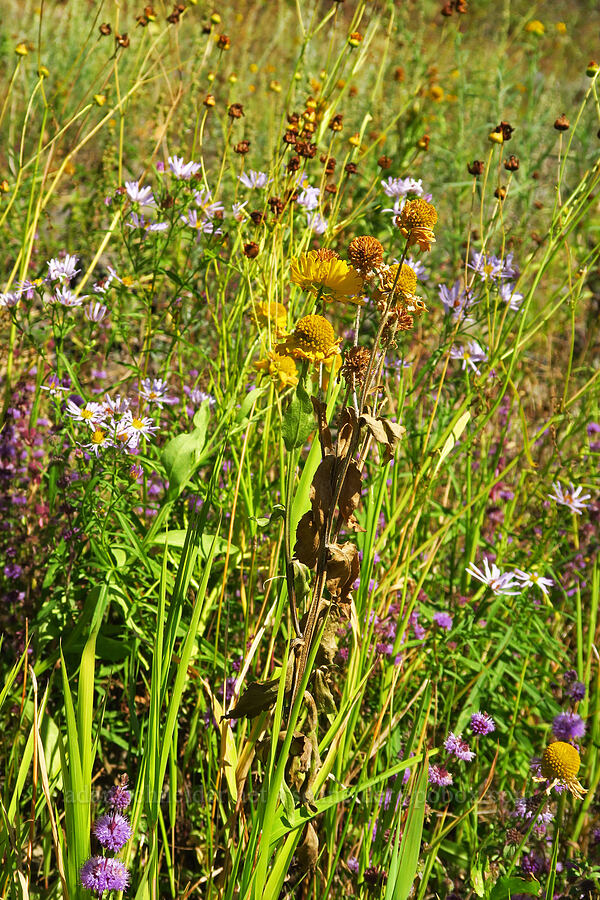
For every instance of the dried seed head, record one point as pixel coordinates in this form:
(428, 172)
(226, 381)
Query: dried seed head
(365, 253)
(336, 123)
(350, 168)
(122, 40)
(105, 29)
(511, 164)
(355, 366)
(500, 192)
(251, 250)
(209, 100)
(423, 142)
(235, 111)
(592, 68)
(477, 167)
(242, 147)
(223, 42)
(384, 162)
(562, 123)
(355, 39)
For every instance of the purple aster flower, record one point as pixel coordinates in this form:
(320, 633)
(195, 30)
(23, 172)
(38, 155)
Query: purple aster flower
(101, 873)
(443, 620)
(455, 745)
(439, 775)
(576, 691)
(568, 727)
(482, 723)
(113, 831)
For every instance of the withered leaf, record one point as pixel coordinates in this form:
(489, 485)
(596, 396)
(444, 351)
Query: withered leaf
(308, 540)
(385, 432)
(320, 409)
(323, 696)
(321, 489)
(260, 696)
(350, 495)
(307, 853)
(343, 568)
(345, 431)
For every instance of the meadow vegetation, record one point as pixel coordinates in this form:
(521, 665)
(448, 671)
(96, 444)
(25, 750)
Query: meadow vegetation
(299, 443)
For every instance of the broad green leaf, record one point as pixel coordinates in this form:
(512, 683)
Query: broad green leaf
(298, 421)
(182, 453)
(508, 887)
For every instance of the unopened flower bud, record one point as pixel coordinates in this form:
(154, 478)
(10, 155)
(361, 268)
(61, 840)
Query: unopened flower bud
(21, 49)
(223, 42)
(592, 68)
(562, 123)
(209, 100)
(355, 39)
(511, 164)
(215, 18)
(477, 167)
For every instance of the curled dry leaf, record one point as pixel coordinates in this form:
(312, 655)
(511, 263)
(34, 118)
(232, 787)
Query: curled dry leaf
(320, 409)
(308, 851)
(310, 528)
(385, 432)
(350, 496)
(348, 424)
(343, 568)
(260, 696)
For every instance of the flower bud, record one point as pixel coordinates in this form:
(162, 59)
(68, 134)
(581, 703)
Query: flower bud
(562, 123)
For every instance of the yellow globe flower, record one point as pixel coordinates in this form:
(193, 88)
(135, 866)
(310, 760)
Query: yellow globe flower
(535, 27)
(281, 369)
(313, 339)
(400, 282)
(324, 273)
(560, 764)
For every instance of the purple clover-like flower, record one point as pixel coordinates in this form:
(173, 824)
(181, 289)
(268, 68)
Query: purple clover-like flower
(113, 831)
(482, 723)
(439, 775)
(119, 796)
(101, 873)
(443, 620)
(568, 727)
(353, 864)
(455, 745)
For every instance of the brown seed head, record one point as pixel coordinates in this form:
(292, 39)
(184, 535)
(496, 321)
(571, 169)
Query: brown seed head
(276, 205)
(365, 253)
(511, 164)
(294, 164)
(223, 42)
(122, 40)
(242, 147)
(423, 142)
(331, 188)
(289, 137)
(105, 29)
(235, 111)
(384, 162)
(355, 366)
(336, 123)
(350, 168)
(500, 192)
(251, 250)
(447, 9)
(476, 167)
(257, 217)
(562, 123)
(399, 74)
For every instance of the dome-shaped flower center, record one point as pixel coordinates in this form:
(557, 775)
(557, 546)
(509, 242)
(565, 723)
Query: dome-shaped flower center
(418, 213)
(560, 760)
(314, 334)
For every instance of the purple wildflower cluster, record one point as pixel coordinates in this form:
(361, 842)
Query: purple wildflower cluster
(458, 748)
(102, 874)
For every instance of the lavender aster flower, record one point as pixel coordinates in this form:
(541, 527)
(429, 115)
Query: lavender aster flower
(573, 498)
(113, 831)
(568, 727)
(576, 691)
(353, 864)
(100, 874)
(482, 723)
(455, 745)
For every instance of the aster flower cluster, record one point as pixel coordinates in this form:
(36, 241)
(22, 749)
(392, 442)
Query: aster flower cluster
(458, 748)
(103, 874)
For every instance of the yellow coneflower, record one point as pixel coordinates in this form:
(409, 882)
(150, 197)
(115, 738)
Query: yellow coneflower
(313, 339)
(402, 282)
(560, 765)
(324, 273)
(281, 369)
(416, 222)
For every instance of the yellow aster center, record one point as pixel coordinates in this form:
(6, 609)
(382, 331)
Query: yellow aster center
(86, 414)
(137, 423)
(98, 436)
(400, 281)
(561, 760)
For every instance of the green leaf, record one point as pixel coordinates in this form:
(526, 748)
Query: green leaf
(287, 799)
(506, 887)
(408, 860)
(205, 542)
(298, 421)
(182, 453)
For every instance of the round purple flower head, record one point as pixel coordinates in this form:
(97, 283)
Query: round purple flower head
(119, 797)
(113, 831)
(482, 723)
(568, 727)
(455, 745)
(443, 620)
(439, 775)
(353, 864)
(101, 873)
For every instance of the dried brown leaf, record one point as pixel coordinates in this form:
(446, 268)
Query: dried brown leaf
(346, 430)
(385, 432)
(350, 495)
(320, 409)
(343, 568)
(307, 853)
(308, 540)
